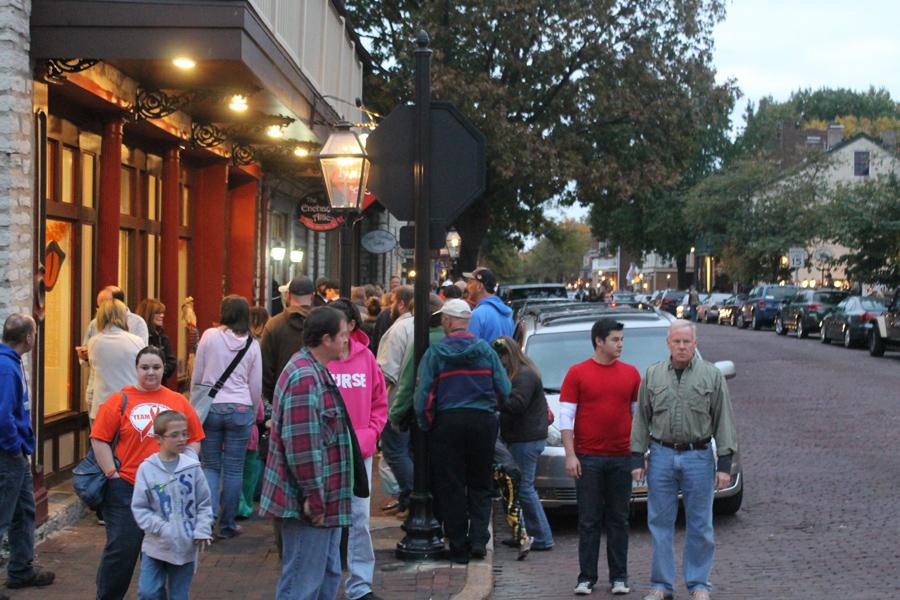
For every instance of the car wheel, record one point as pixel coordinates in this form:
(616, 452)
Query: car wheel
(740, 321)
(779, 326)
(823, 337)
(876, 343)
(734, 320)
(729, 505)
(848, 339)
(754, 322)
(802, 333)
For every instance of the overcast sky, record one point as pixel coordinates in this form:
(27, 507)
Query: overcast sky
(773, 47)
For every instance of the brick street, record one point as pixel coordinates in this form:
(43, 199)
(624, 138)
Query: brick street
(816, 426)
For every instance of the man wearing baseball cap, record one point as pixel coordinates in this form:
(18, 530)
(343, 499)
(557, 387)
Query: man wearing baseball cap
(283, 333)
(491, 317)
(460, 415)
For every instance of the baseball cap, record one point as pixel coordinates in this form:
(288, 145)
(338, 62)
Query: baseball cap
(485, 276)
(300, 285)
(456, 308)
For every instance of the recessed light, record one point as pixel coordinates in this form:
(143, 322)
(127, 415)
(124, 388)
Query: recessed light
(183, 62)
(238, 103)
(301, 151)
(275, 131)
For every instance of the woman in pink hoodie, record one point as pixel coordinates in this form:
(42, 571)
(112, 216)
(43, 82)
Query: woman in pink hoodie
(359, 378)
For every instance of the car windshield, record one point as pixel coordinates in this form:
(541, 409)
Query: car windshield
(536, 292)
(872, 305)
(553, 353)
(830, 297)
(625, 297)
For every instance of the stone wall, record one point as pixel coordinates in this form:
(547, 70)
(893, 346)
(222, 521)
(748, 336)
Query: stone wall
(16, 164)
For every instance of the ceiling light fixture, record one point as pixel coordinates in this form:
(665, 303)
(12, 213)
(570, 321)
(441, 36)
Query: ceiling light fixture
(301, 152)
(183, 62)
(238, 103)
(275, 131)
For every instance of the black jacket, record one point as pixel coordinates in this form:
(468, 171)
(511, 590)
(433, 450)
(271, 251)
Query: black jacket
(281, 338)
(523, 416)
(161, 341)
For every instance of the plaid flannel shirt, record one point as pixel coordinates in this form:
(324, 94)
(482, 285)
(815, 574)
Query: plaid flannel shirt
(310, 453)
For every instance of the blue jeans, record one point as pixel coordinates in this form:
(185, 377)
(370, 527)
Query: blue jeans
(227, 429)
(310, 562)
(526, 456)
(396, 451)
(123, 541)
(360, 553)
(17, 514)
(155, 574)
(603, 492)
(693, 472)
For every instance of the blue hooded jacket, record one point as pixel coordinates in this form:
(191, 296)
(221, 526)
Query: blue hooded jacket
(491, 319)
(16, 435)
(459, 372)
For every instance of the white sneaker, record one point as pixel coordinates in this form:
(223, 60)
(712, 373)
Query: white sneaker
(620, 587)
(583, 588)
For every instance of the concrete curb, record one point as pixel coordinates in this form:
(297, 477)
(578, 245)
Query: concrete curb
(480, 574)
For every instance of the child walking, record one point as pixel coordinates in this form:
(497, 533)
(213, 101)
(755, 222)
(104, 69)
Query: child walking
(172, 504)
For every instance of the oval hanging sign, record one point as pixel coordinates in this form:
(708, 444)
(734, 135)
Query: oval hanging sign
(315, 213)
(379, 241)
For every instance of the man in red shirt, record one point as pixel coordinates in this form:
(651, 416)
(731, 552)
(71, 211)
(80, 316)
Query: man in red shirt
(596, 403)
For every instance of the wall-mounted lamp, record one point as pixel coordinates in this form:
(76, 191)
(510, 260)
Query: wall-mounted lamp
(277, 252)
(296, 256)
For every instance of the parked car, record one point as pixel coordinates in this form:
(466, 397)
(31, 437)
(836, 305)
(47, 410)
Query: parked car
(521, 291)
(804, 311)
(730, 308)
(669, 300)
(763, 304)
(557, 338)
(683, 311)
(624, 299)
(708, 311)
(885, 332)
(851, 320)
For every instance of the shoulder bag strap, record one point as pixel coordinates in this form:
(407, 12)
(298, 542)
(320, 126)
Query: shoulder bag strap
(115, 439)
(234, 363)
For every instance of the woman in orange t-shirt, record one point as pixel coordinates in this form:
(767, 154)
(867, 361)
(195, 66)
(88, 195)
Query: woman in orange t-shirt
(143, 402)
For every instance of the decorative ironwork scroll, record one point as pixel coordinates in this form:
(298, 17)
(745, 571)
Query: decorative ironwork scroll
(242, 154)
(57, 68)
(206, 135)
(155, 104)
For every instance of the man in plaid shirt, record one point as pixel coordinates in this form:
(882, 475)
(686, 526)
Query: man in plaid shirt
(309, 472)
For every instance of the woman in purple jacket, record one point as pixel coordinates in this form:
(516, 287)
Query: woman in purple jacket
(233, 410)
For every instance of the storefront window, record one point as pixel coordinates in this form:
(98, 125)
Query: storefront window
(152, 261)
(124, 256)
(182, 294)
(126, 193)
(68, 175)
(185, 206)
(153, 194)
(58, 346)
(88, 171)
(52, 162)
(87, 296)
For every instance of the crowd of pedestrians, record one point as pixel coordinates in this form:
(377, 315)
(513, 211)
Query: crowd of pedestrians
(314, 391)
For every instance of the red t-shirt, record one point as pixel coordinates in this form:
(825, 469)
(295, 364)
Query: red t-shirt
(136, 441)
(604, 394)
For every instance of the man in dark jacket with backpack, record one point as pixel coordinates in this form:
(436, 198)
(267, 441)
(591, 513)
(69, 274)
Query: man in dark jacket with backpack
(283, 333)
(460, 382)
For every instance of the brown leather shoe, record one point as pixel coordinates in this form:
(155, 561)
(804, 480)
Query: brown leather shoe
(39, 578)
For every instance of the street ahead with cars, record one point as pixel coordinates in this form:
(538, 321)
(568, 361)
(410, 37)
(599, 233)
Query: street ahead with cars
(816, 424)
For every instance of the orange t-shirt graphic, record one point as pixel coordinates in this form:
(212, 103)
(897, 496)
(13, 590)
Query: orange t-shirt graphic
(136, 441)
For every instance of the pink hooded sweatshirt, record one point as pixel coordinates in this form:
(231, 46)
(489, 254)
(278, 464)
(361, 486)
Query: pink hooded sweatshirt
(361, 382)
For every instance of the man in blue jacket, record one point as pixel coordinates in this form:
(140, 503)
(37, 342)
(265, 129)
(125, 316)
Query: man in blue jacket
(460, 381)
(16, 444)
(491, 317)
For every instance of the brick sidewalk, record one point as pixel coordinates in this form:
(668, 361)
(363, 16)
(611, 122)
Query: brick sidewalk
(244, 567)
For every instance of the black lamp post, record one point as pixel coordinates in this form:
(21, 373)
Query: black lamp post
(345, 168)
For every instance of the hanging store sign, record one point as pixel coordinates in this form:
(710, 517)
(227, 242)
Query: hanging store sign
(379, 241)
(316, 213)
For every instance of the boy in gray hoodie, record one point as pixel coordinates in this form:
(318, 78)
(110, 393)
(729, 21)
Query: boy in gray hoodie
(172, 504)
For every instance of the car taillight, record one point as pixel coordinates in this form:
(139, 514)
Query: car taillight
(814, 306)
(866, 316)
(761, 303)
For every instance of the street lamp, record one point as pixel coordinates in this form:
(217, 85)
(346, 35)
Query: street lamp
(345, 168)
(454, 242)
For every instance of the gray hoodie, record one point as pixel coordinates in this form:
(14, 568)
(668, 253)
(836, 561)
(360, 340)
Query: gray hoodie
(173, 509)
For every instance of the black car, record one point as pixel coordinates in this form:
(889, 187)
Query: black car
(670, 299)
(729, 309)
(763, 304)
(804, 311)
(851, 320)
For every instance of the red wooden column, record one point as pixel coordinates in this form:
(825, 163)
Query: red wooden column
(168, 246)
(108, 209)
(242, 240)
(208, 246)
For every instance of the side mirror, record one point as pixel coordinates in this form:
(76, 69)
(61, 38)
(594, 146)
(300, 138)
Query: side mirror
(727, 368)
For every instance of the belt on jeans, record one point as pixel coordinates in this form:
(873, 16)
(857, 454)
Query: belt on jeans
(684, 447)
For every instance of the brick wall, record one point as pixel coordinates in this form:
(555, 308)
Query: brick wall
(16, 165)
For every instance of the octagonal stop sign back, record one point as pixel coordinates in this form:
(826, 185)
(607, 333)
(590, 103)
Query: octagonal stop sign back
(457, 163)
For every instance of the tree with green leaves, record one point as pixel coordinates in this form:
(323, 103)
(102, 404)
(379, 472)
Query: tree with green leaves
(559, 255)
(865, 217)
(593, 100)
